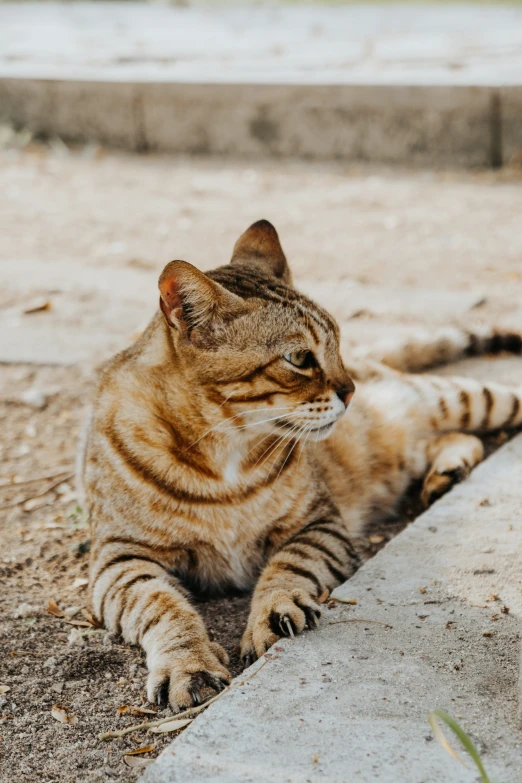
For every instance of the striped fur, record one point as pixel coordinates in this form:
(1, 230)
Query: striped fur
(218, 456)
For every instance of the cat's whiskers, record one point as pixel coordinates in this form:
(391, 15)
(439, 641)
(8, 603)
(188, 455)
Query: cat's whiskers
(304, 446)
(263, 421)
(281, 441)
(216, 427)
(301, 431)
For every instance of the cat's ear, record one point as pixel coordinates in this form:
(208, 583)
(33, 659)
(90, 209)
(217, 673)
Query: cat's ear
(190, 300)
(260, 246)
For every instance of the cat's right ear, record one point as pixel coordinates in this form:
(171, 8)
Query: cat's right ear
(260, 247)
(190, 300)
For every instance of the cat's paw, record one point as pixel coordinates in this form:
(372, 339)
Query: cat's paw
(438, 482)
(181, 677)
(274, 615)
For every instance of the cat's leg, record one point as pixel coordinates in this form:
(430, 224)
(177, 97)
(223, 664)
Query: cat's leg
(302, 572)
(450, 458)
(134, 595)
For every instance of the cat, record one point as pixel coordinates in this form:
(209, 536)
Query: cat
(228, 447)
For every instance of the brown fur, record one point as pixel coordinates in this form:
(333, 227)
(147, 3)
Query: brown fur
(208, 463)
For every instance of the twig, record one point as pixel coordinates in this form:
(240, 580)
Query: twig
(14, 503)
(358, 620)
(107, 735)
(348, 601)
(14, 484)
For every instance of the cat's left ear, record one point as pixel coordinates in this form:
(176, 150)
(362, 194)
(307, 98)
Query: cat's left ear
(260, 247)
(190, 300)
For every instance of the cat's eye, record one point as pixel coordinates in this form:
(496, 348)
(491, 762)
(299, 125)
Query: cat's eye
(301, 359)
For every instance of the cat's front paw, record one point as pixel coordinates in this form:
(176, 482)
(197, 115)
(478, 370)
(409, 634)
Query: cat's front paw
(438, 482)
(277, 614)
(180, 677)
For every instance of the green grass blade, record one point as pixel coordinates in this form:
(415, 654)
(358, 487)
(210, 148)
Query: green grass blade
(462, 736)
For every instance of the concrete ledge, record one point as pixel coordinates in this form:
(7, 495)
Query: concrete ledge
(395, 124)
(351, 701)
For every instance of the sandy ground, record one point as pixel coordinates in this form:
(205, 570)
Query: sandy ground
(97, 211)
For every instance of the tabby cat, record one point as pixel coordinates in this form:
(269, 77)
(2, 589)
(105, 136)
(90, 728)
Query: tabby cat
(219, 456)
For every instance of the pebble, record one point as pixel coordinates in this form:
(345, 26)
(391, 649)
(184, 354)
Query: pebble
(34, 503)
(34, 398)
(75, 638)
(25, 610)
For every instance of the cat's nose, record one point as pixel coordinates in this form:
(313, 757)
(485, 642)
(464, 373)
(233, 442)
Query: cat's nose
(345, 393)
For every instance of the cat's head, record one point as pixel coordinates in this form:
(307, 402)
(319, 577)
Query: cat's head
(249, 342)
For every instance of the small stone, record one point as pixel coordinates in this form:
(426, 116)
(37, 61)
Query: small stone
(30, 430)
(34, 398)
(25, 610)
(33, 503)
(75, 638)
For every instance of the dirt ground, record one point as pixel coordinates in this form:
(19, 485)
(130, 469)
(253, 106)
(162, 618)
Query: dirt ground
(98, 210)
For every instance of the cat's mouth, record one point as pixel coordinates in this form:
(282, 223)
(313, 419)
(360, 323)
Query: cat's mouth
(320, 433)
(316, 433)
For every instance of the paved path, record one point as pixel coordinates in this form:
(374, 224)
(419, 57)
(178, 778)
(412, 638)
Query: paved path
(350, 702)
(402, 83)
(356, 44)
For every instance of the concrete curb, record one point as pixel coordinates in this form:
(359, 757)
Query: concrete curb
(423, 125)
(351, 701)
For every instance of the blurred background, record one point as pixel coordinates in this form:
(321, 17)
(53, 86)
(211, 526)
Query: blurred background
(384, 142)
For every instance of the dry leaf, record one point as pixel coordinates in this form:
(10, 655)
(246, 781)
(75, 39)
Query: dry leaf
(54, 609)
(37, 306)
(79, 623)
(79, 582)
(63, 714)
(127, 709)
(4, 689)
(136, 763)
(137, 751)
(172, 725)
(350, 601)
(91, 618)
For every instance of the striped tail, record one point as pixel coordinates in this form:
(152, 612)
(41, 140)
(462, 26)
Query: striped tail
(468, 405)
(427, 349)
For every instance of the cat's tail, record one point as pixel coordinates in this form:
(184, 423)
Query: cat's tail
(425, 349)
(467, 405)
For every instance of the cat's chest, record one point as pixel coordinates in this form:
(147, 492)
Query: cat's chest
(230, 471)
(234, 538)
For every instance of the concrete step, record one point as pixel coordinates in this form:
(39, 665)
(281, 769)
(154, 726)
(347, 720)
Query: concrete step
(432, 85)
(351, 700)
